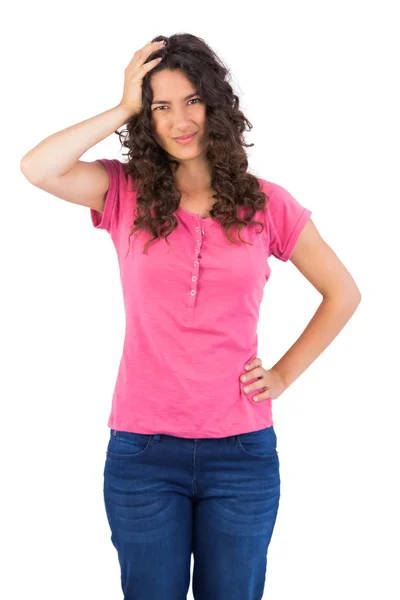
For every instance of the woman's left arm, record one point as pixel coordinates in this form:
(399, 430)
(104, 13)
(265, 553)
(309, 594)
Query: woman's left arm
(319, 264)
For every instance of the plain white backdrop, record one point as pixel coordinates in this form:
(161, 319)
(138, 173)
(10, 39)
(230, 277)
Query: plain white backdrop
(319, 83)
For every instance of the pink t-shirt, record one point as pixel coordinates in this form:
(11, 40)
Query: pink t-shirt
(192, 310)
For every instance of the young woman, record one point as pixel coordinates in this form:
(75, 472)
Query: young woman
(192, 463)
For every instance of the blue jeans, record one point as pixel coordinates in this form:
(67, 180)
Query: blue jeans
(167, 497)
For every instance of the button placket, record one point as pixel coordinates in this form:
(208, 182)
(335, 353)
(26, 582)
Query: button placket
(195, 270)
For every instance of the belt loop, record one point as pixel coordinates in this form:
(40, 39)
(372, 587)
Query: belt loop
(156, 437)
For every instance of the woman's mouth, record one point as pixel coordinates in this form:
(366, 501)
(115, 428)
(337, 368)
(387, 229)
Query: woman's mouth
(185, 140)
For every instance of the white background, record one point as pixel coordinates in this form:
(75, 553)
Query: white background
(319, 83)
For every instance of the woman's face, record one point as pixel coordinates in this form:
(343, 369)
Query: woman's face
(176, 114)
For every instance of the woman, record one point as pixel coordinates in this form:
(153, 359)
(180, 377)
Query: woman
(192, 463)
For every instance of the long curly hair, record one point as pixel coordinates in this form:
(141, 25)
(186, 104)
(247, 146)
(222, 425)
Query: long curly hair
(152, 169)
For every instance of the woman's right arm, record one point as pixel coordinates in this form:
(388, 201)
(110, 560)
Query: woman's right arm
(58, 153)
(54, 166)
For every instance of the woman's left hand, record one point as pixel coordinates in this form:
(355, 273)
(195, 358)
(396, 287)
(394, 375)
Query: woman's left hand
(269, 380)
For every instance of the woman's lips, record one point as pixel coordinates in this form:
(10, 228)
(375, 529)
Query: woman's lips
(185, 140)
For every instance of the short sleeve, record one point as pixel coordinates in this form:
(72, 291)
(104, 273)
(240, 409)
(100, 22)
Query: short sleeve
(285, 218)
(108, 220)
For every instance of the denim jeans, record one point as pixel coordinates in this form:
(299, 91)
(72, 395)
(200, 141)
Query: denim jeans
(168, 497)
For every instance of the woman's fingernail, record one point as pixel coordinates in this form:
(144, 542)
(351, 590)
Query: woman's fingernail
(247, 367)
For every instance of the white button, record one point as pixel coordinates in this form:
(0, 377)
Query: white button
(196, 263)
(197, 228)
(198, 241)
(194, 278)
(193, 292)
(202, 232)
(196, 250)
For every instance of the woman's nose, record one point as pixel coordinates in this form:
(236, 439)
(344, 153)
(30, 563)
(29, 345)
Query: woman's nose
(180, 118)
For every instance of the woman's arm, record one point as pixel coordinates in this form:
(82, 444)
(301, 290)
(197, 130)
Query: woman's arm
(319, 264)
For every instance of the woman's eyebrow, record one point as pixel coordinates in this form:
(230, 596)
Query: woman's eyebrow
(167, 102)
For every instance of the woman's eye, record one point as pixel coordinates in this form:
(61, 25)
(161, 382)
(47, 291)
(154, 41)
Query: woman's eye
(164, 105)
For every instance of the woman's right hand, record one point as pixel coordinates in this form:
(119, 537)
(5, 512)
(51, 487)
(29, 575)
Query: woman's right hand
(134, 73)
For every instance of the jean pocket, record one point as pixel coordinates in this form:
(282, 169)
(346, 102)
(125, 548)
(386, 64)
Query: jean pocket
(125, 444)
(259, 444)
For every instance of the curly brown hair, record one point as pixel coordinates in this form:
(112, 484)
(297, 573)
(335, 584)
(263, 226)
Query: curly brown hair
(153, 171)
